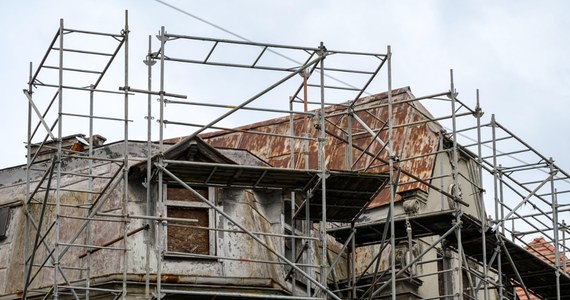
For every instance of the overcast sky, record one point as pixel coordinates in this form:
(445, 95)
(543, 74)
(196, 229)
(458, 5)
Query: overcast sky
(515, 52)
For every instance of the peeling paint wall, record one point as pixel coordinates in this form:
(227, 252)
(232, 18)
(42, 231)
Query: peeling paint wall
(431, 202)
(258, 211)
(72, 211)
(7, 245)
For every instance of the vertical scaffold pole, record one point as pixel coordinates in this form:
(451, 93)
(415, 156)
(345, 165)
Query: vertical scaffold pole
(149, 62)
(555, 227)
(349, 157)
(564, 259)
(501, 199)
(353, 262)
(478, 115)
(455, 175)
(90, 188)
(496, 197)
(28, 166)
(351, 275)
(292, 206)
(58, 157)
(160, 228)
(126, 159)
(323, 168)
(392, 182)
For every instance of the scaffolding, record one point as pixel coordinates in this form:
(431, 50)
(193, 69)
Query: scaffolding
(528, 190)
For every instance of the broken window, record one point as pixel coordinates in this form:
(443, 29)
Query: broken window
(4, 218)
(189, 237)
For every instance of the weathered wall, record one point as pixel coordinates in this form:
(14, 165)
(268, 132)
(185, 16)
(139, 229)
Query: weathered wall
(431, 202)
(257, 211)
(9, 245)
(72, 210)
(467, 180)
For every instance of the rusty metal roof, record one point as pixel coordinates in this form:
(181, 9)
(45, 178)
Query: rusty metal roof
(347, 193)
(417, 140)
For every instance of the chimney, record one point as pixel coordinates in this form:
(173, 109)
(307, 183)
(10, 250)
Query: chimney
(70, 144)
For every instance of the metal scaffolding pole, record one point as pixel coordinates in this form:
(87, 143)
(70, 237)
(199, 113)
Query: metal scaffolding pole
(125, 200)
(323, 168)
(160, 206)
(28, 186)
(456, 193)
(293, 196)
(88, 240)
(58, 164)
(555, 229)
(497, 201)
(392, 180)
(149, 61)
(483, 216)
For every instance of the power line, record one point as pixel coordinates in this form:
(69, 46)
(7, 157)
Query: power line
(250, 41)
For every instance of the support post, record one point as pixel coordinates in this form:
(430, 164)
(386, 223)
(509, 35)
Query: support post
(160, 201)
(349, 159)
(125, 200)
(496, 195)
(455, 176)
(555, 227)
(292, 165)
(392, 181)
(88, 238)
(482, 215)
(323, 169)
(26, 207)
(58, 165)
(353, 261)
(149, 62)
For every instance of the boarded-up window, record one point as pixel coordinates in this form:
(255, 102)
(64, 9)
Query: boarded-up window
(181, 238)
(4, 217)
(182, 194)
(184, 237)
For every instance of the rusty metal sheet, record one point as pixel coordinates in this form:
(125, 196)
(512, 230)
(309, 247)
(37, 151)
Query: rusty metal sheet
(408, 141)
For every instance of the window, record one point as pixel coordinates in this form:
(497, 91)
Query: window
(4, 218)
(185, 237)
(444, 275)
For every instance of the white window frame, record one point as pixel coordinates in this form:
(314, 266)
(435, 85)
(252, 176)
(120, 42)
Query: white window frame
(211, 222)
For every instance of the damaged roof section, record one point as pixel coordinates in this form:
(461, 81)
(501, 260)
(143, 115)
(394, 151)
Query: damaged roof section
(413, 136)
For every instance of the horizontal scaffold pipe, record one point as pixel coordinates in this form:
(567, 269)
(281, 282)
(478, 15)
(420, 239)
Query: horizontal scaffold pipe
(184, 141)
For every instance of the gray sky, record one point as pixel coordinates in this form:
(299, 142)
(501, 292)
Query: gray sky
(515, 52)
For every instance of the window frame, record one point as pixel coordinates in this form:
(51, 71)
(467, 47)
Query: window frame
(212, 234)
